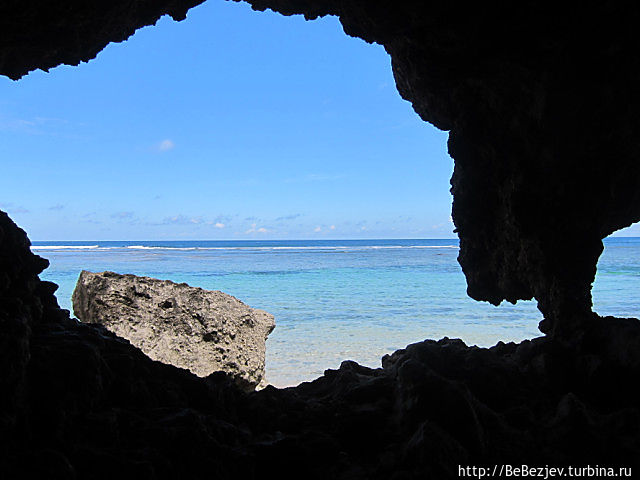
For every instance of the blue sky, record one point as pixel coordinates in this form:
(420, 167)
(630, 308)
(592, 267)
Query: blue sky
(229, 125)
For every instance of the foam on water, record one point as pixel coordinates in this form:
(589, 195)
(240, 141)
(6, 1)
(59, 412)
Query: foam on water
(63, 247)
(256, 248)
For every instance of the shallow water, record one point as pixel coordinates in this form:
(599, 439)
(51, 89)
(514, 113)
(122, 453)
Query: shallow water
(337, 300)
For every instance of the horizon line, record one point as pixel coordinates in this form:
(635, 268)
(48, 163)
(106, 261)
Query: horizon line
(277, 239)
(247, 239)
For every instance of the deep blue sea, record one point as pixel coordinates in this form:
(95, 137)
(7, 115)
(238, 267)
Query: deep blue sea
(341, 299)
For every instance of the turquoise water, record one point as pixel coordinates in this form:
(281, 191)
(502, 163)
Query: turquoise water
(344, 299)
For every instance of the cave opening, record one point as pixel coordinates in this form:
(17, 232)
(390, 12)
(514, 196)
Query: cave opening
(358, 122)
(381, 151)
(543, 127)
(618, 275)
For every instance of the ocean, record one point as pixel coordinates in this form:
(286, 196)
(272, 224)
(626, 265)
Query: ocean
(341, 299)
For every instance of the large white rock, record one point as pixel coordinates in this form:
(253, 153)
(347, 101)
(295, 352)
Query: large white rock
(200, 330)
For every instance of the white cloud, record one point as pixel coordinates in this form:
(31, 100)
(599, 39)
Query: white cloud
(317, 229)
(165, 145)
(221, 221)
(332, 227)
(253, 229)
(182, 220)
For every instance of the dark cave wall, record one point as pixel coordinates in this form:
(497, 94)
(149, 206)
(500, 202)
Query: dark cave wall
(539, 99)
(19, 287)
(41, 34)
(79, 402)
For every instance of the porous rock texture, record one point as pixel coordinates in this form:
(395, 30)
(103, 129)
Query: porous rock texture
(202, 331)
(541, 105)
(539, 99)
(80, 402)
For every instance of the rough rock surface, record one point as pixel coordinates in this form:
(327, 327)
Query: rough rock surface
(202, 331)
(540, 99)
(80, 402)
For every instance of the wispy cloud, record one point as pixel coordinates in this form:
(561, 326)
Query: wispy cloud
(58, 207)
(221, 221)
(289, 217)
(182, 220)
(34, 126)
(324, 228)
(20, 210)
(129, 218)
(122, 215)
(91, 217)
(165, 145)
(255, 229)
(224, 219)
(448, 225)
(13, 208)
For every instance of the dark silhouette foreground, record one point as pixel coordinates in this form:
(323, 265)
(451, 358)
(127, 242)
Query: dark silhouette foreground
(541, 104)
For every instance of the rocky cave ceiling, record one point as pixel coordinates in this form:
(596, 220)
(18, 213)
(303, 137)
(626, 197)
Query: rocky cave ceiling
(540, 102)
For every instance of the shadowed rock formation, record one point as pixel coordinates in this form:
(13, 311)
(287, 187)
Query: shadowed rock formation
(540, 101)
(79, 402)
(38, 34)
(187, 327)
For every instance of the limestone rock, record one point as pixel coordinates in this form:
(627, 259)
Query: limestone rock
(80, 402)
(540, 102)
(200, 330)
